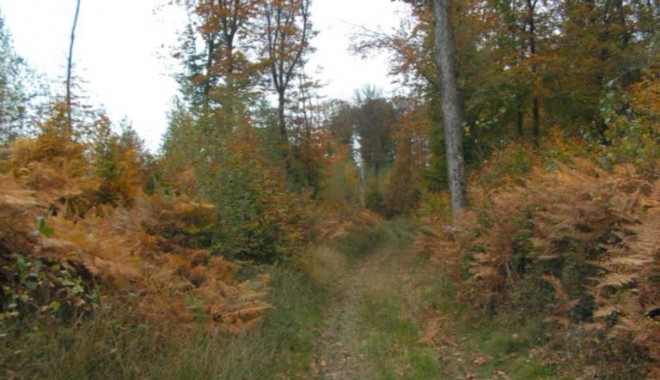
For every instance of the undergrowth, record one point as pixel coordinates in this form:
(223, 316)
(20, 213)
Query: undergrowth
(571, 250)
(114, 344)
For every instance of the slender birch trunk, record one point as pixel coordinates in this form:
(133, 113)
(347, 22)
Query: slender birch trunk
(69, 68)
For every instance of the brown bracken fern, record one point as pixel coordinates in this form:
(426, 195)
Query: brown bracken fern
(578, 245)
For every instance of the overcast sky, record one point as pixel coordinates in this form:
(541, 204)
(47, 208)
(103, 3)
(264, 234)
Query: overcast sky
(122, 50)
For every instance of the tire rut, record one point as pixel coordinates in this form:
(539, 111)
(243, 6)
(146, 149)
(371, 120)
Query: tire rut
(338, 354)
(337, 357)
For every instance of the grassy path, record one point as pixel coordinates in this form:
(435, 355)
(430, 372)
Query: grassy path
(336, 356)
(372, 331)
(395, 317)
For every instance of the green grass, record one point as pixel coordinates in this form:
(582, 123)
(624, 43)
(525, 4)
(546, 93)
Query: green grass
(506, 344)
(111, 346)
(390, 342)
(388, 334)
(439, 293)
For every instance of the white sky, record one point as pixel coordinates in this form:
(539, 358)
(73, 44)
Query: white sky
(122, 47)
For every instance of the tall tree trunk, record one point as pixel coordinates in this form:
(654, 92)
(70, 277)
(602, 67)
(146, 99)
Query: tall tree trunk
(208, 85)
(69, 68)
(451, 105)
(287, 32)
(363, 185)
(531, 40)
(536, 119)
(281, 118)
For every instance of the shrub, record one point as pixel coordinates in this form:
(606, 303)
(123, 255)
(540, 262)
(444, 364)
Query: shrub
(576, 248)
(258, 217)
(632, 119)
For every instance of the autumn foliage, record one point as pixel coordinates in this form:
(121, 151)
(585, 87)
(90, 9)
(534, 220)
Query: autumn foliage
(258, 218)
(573, 246)
(560, 142)
(67, 247)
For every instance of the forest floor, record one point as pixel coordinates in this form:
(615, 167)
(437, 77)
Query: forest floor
(396, 317)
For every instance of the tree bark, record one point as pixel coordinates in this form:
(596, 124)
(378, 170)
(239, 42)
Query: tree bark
(452, 110)
(69, 68)
(281, 117)
(531, 40)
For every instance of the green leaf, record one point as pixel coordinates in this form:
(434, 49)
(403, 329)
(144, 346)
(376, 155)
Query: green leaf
(45, 230)
(55, 306)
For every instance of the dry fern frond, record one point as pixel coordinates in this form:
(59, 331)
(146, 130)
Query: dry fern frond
(556, 285)
(616, 280)
(549, 257)
(622, 262)
(605, 311)
(240, 320)
(241, 312)
(485, 272)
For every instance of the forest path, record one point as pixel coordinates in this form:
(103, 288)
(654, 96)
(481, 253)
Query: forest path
(395, 315)
(384, 323)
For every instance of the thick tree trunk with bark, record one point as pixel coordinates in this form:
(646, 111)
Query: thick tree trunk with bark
(451, 105)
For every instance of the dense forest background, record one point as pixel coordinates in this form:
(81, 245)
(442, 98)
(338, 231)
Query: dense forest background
(214, 241)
